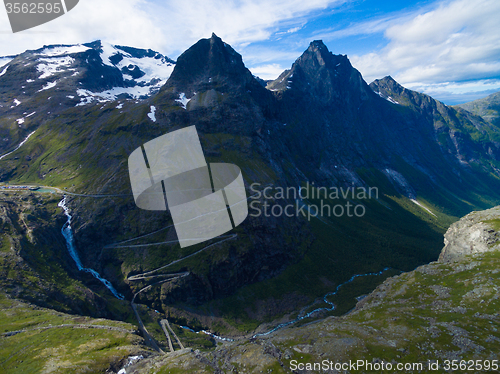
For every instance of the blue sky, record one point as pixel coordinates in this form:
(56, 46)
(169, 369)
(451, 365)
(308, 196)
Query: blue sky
(448, 49)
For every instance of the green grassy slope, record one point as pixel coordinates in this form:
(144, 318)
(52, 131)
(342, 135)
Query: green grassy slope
(36, 340)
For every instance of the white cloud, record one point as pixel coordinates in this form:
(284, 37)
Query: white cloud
(167, 26)
(459, 88)
(268, 63)
(260, 55)
(362, 28)
(121, 22)
(267, 72)
(457, 92)
(294, 29)
(460, 40)
(236, 21)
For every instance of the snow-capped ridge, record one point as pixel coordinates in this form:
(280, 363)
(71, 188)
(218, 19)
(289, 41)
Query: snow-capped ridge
(63, 50)
(93, 72)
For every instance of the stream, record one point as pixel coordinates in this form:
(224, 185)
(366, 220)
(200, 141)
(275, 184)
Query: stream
(325, 300)
(70, 243)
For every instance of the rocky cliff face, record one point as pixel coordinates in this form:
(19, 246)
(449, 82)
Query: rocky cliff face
(34, 261)
(465, 136)
(474, 234)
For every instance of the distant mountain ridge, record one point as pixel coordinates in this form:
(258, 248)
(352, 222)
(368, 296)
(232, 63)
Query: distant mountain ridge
(488, 108)
(38, 84)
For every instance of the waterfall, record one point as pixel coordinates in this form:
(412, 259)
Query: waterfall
(70, 243)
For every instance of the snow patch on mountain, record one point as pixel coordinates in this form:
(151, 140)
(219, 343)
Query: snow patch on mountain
(86, 97)
(63, 50)
(51, 66)
(388, 98)
(422, 206)
(391, 100)
(151, 115)
(400, 182)
(19, 146)
(4, 71)
(143, 71)
(136, 93)
(151, 68)
(48, 86)
(183, 100)
(108, 51)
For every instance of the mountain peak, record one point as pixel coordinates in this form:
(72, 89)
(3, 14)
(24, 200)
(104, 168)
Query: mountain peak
(216, 42)
(387, 83)
(208, 64)
(388, 78)
(323, 75)
(318, 55)
(316, 45)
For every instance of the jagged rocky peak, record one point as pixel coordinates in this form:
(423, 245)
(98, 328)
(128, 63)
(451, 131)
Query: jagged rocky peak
(392, 91)
(209, 73)
(387, 88)
(318, 55)
(387, 84)
(208, 64)
(325, 76)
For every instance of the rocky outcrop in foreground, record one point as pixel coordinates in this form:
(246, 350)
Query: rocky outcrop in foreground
(475, 233)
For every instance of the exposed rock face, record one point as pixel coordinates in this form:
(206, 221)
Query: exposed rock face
(456, 130)
(324, 78)
(474, 233)
(35, 264)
